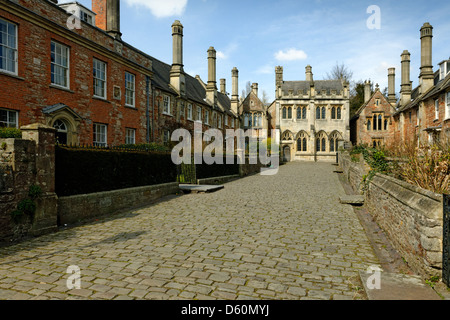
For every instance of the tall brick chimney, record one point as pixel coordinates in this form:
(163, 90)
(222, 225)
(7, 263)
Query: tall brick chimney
(235, 90)
(108, 16)
(211, 87)
(406, 87)
(367, 90)
(309, 74)
(391, 86)
(177, 78)
(255, 89)
(426, 78)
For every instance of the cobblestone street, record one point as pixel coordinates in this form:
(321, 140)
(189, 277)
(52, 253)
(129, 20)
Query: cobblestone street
(261, 237)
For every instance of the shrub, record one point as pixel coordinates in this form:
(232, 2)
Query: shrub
(10, 133)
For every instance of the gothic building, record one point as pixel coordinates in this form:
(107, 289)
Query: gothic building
(312, 116)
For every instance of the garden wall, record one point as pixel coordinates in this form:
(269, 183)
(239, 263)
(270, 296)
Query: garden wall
(411, 216)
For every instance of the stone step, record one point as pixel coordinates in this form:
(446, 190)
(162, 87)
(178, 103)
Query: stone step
(352, 199)
(193, 188)
(395, 286)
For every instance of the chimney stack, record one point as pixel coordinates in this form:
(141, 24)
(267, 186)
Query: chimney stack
(309, 74)
(223, 86)
(391, 86)
(405, 91)
(211, 88)
(426, 78)
(108, 16)
(367, 91)
(177, 78)
(255, 89)
(278, 81)
(235, 90)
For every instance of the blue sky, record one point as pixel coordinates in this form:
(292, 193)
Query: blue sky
(257, 35)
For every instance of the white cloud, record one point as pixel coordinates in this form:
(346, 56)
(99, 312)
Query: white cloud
(266, 69)
(291, 55)
(221, 55)
(161, 9)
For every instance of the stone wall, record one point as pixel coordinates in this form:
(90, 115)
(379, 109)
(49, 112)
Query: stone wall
(83, 207)
(411, 217)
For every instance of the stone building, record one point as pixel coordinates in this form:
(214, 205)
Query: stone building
(313, 117)
(253, 113)
(423, 113)
(67, 66)
(373, 122)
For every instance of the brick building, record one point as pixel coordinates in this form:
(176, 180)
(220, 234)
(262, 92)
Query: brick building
(372, 123)
(423, 113)
(66, 66)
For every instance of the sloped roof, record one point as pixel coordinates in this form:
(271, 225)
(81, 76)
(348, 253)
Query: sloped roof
(195, 89)
(357, 113)
(319, 85)
(245, 105)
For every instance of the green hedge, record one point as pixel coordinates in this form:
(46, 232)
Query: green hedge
(10, 133)
(84, 171)
(204, 171)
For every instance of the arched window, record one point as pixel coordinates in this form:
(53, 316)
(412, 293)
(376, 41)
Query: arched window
(333, 113)
(318, 113)
(380, 122)
(321, 142)
(304, 113)
(246, 120)
(374, 122)
(334, 142)
(339, 113)
(289, 113)
(284, 113)
(61, 131)
(302, 142)
(255, 120)
(323, 113)
(250, 120)
(385, 124)
(369, 125)
(299, 113)
(287, 136)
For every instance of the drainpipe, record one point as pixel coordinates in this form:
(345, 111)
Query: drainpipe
(153, 114)
(147, 110)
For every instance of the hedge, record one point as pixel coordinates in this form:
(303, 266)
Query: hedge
(6, 132)
(84, 171)
(204, 170)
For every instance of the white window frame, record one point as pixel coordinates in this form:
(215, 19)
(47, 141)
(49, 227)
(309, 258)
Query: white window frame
(103, 141)
(207, 117)
(130, 136)
(189, 111)
(86, 17)
(199, 114)
(226, 120)
(10, 48)
(96, 71)
(166, 105)
(219, 121)
(9, 123)
(60, 65)
(436, 109)
(232, 123)
(130, 89)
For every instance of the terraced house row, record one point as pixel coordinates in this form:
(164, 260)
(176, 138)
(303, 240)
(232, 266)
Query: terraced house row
(66, 66)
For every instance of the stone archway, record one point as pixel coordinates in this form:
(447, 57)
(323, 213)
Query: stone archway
(65, 121)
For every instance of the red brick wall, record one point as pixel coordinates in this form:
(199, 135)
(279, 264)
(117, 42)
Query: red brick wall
(31, 91)
(99, 7)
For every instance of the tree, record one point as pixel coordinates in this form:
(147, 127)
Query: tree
(265, 98)
(247, 90)
(357, 96)
(340, 72)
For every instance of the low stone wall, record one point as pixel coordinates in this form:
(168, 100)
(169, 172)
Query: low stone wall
(83, 207)
(411, 216)
(217, 180)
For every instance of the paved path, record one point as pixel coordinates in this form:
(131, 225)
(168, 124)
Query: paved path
(274, 237)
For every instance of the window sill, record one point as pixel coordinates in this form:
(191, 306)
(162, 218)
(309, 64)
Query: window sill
(167, 114)
(131, 107)
(101, 99)
(10, 74)
(55, 86)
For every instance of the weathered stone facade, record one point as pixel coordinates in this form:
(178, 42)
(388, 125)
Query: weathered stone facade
(313, 117)
(372, 123)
